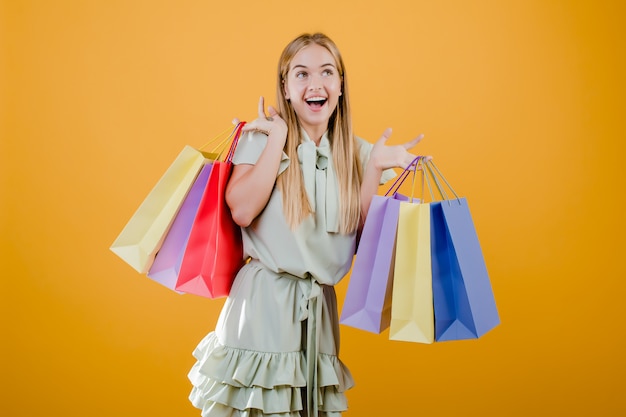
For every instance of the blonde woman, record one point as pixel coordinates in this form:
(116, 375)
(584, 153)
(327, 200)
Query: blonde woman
(300, 190)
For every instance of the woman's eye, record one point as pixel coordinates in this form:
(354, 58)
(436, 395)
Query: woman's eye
(327, 73)
(301, 75)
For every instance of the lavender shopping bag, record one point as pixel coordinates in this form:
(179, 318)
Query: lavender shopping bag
(168, 260)
(367, 305)
(463, 299)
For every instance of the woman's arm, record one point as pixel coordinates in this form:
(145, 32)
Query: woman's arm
(383, 157)
(250, 186)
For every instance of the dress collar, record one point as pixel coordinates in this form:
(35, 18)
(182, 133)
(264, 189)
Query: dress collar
(320, 181)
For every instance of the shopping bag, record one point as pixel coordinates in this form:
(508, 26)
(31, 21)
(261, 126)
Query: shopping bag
(168, 260)
(143, 235)
(412, 317)
(464, 302)
(367, 305)
(214, 251)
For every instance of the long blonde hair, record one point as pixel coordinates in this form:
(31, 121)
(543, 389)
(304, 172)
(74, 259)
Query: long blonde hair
(342, 141)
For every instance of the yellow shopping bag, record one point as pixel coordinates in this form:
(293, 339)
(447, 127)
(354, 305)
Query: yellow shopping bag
(145, 232)
(412, 316)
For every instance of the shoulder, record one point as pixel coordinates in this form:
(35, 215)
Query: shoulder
(365, 148)
(249, 148)
(363, 144)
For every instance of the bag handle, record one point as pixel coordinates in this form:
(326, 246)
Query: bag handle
(425, 180)
(405, 173)
(222, 139)
(436, 174)
(233, 145)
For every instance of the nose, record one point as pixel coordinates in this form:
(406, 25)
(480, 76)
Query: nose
(315, 83)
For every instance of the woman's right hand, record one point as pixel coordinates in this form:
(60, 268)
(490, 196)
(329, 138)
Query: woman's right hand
(271, 124)
(384, 156)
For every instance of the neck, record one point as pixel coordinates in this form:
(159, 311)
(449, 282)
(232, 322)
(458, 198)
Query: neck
(315, 132)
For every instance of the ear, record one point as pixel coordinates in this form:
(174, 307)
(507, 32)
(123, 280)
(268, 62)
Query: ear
(286, 91)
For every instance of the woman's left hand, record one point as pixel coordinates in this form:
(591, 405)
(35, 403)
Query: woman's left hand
(395, 156)
(270, 124)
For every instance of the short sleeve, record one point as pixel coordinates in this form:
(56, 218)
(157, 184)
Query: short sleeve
(250, 147)
(365, 148)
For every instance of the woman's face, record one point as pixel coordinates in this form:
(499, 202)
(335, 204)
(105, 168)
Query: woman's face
(313, 86)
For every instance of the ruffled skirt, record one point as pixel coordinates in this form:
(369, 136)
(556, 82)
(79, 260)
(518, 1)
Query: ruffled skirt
(256, 363)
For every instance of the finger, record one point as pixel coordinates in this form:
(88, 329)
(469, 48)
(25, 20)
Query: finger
(412, 163)
(272, 111)
(262, 107)
(386, 134)
(414, 142)
(248, 127)
(253, 127)
(236, 121)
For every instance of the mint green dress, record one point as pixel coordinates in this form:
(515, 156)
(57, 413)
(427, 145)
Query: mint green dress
(275, 348)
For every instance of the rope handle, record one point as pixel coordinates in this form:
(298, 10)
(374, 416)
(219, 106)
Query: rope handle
(221, 140)
(436, 175)
(405, 173)
(233, 145)
(419, 167)
(430, 174)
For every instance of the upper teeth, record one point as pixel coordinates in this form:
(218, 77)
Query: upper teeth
(316, 99)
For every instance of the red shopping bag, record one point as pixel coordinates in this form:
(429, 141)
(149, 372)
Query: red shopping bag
(214, 252)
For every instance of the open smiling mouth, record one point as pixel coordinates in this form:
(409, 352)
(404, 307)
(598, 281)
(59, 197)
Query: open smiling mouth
(316, 102)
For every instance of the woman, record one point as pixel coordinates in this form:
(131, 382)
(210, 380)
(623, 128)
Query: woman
(300, 190)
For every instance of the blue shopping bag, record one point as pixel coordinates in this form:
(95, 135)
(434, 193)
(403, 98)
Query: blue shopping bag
(464, 303)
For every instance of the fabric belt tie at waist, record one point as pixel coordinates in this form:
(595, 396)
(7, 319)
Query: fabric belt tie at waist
(310, 306)
(311, 310)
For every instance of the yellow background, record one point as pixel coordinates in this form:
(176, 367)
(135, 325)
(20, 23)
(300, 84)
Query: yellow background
(522, 104)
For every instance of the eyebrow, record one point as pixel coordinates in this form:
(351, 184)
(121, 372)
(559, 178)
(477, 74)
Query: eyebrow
(321, 66)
